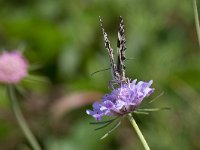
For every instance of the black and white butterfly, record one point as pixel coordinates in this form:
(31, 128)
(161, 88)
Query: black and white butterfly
(118, 68)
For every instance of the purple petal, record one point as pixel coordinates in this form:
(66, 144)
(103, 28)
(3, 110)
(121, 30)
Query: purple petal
(122, 100)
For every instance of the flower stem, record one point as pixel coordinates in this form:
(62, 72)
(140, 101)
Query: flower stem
(20, 118)
(139, 133)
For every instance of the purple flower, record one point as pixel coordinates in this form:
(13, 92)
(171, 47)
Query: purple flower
(122, 100)
(13, 67)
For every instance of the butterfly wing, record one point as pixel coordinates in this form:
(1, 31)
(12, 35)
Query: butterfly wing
(121, 47)
(110, 52)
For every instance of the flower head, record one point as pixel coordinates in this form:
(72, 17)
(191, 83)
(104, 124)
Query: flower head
(122, 100)
(13, 67)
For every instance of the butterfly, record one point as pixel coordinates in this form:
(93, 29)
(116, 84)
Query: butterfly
(118, 68)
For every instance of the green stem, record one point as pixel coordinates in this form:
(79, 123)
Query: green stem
(196, 20)
(20, 118)
(139, 133)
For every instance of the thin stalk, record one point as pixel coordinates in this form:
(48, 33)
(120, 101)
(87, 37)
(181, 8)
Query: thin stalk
(196, 17)
(20, 119)
(139, 133)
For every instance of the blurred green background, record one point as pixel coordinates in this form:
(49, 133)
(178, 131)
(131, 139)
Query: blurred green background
(64, 38)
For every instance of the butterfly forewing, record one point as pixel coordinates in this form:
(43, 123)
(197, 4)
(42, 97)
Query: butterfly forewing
(110, 51)
(121, 47)
(118, 70)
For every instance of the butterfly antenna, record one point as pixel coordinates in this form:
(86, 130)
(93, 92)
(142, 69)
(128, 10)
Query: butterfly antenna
(129, 59)
(99, 71)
